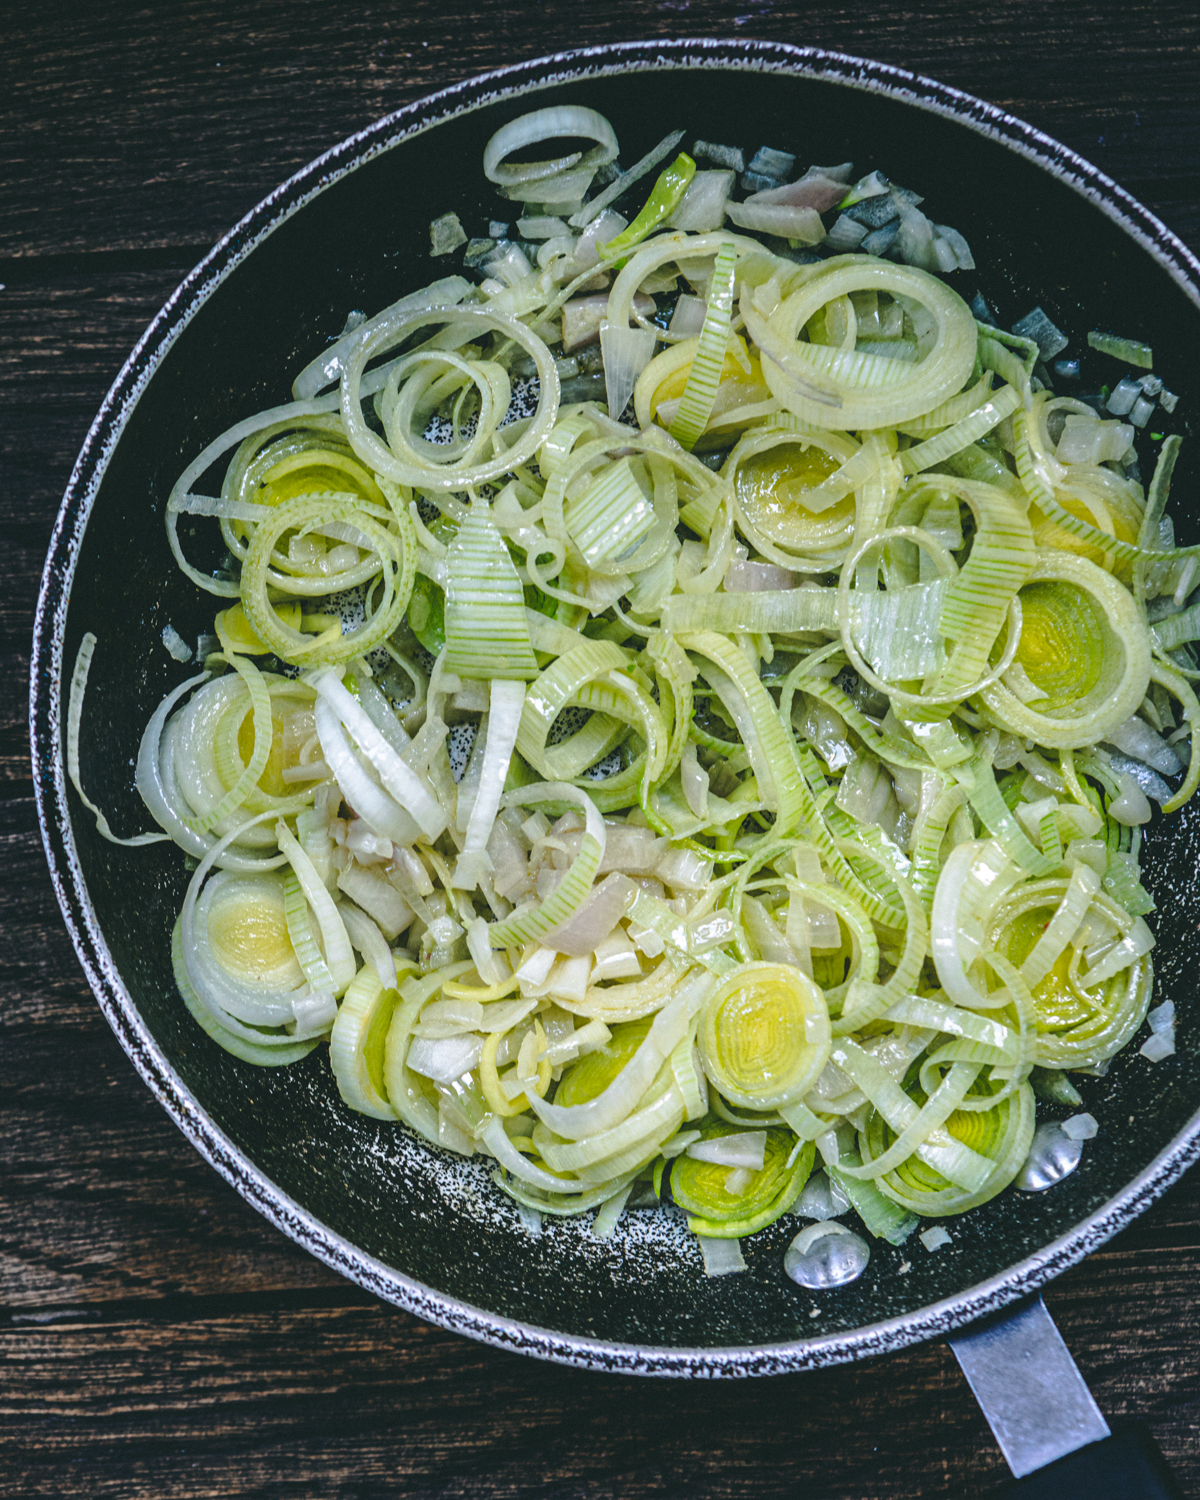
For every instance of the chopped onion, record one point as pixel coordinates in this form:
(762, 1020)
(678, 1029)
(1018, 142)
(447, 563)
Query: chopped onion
(1080, 1127)
(1159, 1046)
(584, 317)
(1088, 440)
(822, 1199)
(801, 224)
(446, 234)
(768, 162)
(819, 189)
(934, 1239)
(175, 644)
(1037, 326)
(1162, 1017)
(846, 234)
(1136, 738)
(688, 318)
(746, 1148)
(592, 924)
(725, 156)
(445, 1059)
(702, 206)
(378, 898)
(721, 1257)
(1130, 807)
(756, 577)
(627, 352)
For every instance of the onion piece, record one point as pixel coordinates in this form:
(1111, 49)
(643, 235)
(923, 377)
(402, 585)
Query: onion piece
(721, 1257)
(1131, 807)
(410, 791)
(801, 224)
(743, 1148)
(627, 352)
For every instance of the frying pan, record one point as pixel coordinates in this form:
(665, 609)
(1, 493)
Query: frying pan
(418, 1228)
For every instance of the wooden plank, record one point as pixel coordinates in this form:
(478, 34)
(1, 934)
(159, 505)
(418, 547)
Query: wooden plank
(101, 1198)
(363, 1400)
(128, 136)
(65, 333)
(64, 336)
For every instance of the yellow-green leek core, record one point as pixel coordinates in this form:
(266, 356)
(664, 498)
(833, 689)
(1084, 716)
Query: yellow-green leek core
(1058, 1001)
(764, 1035)
(247, 927)
(772, 487)
(1062, 643)
(1002, 1134)
(358, 1043)
(592, 1074)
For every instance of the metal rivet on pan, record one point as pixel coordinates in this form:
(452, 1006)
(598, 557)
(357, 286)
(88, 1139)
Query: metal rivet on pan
(826, 1255)
(1052, 1156)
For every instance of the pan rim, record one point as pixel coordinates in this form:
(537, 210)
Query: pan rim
(46, 672)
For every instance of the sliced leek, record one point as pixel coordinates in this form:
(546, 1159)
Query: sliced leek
(758, 778)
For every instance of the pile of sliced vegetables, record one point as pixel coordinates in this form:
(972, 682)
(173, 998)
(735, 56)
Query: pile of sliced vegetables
(666, 794)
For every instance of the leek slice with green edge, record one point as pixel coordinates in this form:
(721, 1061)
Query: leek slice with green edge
(275, 1051)
(702, 1188)
(612, 516)
(1131, 351)
(1083, 646)
(357, 1043)
(764, 1035)
(850, 391)
(396, 552)
(264, 734)
(883, 1218)
(1001, 1136)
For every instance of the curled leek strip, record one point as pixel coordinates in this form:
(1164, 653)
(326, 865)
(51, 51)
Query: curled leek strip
(357, 1043)
(79, 677)
(558, 122)
(869, 390)
(405, 464)
(704, 376)
(396, 553)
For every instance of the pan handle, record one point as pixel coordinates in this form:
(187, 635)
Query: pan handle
(1042, 1414)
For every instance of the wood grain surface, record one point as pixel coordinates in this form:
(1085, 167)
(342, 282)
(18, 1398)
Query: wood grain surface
(158, 1338)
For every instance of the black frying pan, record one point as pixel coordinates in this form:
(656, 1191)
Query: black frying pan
(417, 1227)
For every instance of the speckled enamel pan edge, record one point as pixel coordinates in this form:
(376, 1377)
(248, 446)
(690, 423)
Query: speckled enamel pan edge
(46, 711)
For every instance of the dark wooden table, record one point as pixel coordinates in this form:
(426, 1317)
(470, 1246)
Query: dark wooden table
(158, 1338)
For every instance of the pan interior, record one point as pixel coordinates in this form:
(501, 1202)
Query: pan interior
(433, 1218)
